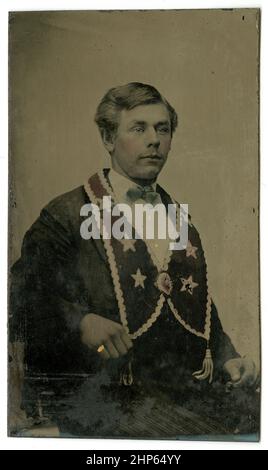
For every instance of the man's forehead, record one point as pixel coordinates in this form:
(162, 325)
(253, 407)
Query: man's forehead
(147, 113)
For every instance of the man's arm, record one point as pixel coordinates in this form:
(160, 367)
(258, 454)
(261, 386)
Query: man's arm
(51, 317)
(237, 370)
(221, 346)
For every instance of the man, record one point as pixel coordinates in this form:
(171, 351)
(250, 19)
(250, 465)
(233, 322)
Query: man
(130, 318)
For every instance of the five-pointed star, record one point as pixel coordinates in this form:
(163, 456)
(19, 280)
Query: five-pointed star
(139, 278)
(128, 244)
(188, 284)
(191, 250)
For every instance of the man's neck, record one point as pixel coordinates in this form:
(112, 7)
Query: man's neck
(139, 181)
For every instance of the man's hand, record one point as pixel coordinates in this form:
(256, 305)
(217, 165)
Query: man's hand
(242, 371)
(97, 331)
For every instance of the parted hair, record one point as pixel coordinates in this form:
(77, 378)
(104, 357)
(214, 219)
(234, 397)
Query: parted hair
(128, 97)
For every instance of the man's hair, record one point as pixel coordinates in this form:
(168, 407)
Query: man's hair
(128, 97)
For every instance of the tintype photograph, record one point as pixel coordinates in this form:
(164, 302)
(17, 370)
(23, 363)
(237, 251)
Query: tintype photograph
(134, 224)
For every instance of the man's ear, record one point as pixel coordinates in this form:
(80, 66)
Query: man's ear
(108, 141)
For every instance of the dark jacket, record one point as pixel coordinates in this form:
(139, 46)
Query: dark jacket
(60, 277)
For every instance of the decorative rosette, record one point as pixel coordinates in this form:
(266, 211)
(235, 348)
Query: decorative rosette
(164, 283)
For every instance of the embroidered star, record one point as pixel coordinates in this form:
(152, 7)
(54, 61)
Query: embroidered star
(188, 285)
(139, 278)
(191, 250)
(128, 244)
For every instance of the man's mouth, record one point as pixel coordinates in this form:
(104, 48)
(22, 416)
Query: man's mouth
(152, 156)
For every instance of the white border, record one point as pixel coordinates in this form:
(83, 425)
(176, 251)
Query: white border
(92, 444)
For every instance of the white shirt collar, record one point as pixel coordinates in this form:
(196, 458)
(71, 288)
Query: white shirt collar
(121, 184)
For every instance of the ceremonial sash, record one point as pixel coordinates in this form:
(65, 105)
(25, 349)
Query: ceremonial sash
(142, 286)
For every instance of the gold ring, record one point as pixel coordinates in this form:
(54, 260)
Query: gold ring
(100, 348)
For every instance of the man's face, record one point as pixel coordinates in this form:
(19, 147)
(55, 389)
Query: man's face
(142, 142)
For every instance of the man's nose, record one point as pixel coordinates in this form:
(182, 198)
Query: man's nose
(152, 138)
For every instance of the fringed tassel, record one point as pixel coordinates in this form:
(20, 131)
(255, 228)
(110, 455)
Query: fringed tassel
(207, 368)
(126, 376)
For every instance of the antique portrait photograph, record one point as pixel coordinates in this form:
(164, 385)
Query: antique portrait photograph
(133, 272)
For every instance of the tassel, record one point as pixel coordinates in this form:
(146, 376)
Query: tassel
(207, 368)
(126, 376)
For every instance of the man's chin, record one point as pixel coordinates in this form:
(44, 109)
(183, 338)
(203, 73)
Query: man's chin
(149, 172)
(149, 175)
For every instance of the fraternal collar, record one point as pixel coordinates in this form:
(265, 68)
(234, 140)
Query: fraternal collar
(143, 289)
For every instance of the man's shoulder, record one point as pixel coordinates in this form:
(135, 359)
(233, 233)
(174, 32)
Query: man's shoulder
(71, 199)
(168, 198)
(66, 207)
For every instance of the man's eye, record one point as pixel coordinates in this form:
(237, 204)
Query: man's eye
(163, 130)
(138, 129)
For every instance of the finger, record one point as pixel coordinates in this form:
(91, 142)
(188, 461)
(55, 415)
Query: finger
(111, 349)
(119, 345)
(104, 354)
(248, 376)
(233, 370)
(126, 340)
(117, 328)
(235, 374)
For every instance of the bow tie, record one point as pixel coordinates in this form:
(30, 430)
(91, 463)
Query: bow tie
(147, 193)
